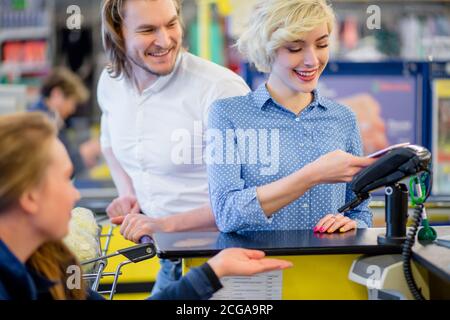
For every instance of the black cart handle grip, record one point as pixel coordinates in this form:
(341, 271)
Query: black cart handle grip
(145, 239)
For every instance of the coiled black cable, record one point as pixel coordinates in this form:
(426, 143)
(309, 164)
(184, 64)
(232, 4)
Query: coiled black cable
(407, 251)
(409, 242)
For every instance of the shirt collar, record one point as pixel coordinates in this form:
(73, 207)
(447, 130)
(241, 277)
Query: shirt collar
(42, 284)
(41, 106)
(261, 96)
(27, 283)
(162, 81)
(9, 262)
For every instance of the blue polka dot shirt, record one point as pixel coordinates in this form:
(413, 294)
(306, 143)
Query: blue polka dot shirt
(252, 141)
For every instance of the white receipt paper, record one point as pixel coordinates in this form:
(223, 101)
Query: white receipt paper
(265, 286)
(379, 153)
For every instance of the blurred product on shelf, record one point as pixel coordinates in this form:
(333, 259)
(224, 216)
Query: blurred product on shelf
(349, 33)
(12, 98)
(425, 37)
(26, 40)
(22, 13)
(12, 52)
(418, 31)
(441, 143)
(411, 37)
(24, 52)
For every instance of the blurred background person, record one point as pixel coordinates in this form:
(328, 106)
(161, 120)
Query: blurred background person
(61, 92)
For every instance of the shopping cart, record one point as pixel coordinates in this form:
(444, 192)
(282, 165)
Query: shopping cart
(143, 251)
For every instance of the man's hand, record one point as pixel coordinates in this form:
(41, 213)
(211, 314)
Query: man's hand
(123, 206)
(135, 226)
(244, 262)
(330, 223)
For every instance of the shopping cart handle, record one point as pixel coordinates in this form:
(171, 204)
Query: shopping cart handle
(139, 252)
(143, 251)
(146, 239)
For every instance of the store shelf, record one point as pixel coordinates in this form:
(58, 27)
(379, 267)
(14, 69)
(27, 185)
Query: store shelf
(22, 68)
(31, 28)
(27, 33)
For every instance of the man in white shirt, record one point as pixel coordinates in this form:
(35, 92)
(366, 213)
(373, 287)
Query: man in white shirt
(155, 99)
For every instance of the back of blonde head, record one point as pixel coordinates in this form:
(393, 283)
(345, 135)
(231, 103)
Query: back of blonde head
(25, 148)
(274, 23)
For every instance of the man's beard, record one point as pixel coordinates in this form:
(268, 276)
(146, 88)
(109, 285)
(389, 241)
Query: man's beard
(141, 64)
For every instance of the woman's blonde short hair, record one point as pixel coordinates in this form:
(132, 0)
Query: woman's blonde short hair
(113, 40)
(25, 154)
(274, 23)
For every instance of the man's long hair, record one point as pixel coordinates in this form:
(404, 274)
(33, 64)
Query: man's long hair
(112, 36)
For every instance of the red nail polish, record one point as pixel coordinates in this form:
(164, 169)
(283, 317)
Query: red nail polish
(322, 229)
(316, 229)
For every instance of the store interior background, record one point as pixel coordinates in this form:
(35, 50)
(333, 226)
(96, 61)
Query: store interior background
(401, 69)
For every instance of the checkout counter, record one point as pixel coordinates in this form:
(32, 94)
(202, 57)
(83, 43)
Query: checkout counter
(326, 266)
(352, 265)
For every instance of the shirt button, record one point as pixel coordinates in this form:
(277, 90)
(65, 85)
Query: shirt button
(297, 119)
(305, 205)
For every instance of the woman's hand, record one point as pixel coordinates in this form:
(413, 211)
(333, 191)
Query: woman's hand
(338, 166)
(330, 223)
(244, 262)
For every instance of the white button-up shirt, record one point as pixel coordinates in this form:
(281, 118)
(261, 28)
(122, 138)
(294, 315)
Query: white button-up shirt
(158, 136)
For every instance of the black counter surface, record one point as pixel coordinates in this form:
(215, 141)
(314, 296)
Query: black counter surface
(434, 257)
(274, 243)
(300, 242)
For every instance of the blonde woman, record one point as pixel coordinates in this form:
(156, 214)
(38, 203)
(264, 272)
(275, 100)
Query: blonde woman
(292, 150)
(36, 199)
